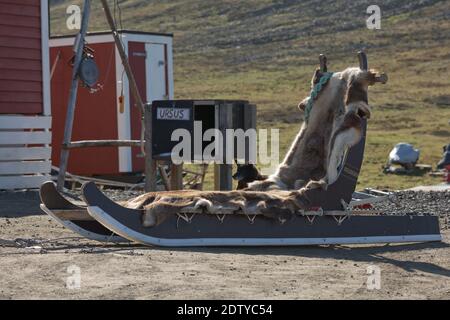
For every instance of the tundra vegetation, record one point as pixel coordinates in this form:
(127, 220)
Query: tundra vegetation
(266, 50)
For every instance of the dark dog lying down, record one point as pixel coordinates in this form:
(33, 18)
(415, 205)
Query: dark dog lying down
(246, 174)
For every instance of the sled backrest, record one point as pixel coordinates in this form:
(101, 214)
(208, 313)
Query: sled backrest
(345, 185)
(340, 192)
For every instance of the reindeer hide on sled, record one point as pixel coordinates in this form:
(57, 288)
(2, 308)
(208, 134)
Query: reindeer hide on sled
(332, 127)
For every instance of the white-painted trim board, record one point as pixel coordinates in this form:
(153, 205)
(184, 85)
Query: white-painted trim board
(34, 153)
(45, 49)
(23, 137)
(22, 182)
(24, 167)
(25, 122)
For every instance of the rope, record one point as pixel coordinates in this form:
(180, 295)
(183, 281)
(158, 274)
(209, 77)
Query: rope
(252, 220)
(311, 219)
(117, 15)
(315, 93)
(221, 217)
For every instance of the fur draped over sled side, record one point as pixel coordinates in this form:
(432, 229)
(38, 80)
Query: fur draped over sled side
(276, 204)
(312, 162)
(334, 126)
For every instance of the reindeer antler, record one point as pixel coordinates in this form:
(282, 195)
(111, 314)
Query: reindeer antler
(323, 63)
(363, 63)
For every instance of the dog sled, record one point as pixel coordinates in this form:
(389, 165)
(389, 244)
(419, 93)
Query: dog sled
(331, 215)
(75, 216)
(337, 216)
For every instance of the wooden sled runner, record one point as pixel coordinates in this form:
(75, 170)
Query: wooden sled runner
(73, 216)
(237, 230)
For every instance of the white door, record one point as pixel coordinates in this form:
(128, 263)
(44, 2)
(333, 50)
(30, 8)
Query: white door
(156, 72)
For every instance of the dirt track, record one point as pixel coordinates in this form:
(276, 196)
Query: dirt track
(111, 272)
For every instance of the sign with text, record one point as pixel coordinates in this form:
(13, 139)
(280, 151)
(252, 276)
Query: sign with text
(173, 114)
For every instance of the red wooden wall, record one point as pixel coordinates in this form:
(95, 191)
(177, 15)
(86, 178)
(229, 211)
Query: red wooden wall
(95, 114)
(20, 57)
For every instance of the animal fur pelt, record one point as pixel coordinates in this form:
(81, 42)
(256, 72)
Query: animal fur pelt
(312, 162)
(334, 126)
(276, 204)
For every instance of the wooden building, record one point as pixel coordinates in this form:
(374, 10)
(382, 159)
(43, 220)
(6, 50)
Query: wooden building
(25, 112)
(109, 112)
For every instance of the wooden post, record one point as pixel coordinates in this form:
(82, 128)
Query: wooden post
(176, 177)
(225, 177)
(223, 172)
(104, 143)
(216, 176)
(78, 48)
(250, 123)
(123, 57)
(164, 177)
(150, 164)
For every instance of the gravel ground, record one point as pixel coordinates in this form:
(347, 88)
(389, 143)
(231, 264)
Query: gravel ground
(37, 255)
(116, 195)
(427, 203)
(408, 202)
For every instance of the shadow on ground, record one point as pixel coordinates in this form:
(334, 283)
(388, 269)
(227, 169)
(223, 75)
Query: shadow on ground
(376, 254)
(19, 204)
(365, 254)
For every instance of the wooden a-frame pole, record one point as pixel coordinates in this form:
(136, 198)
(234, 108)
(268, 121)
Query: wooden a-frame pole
(78, 48)
(150, 164)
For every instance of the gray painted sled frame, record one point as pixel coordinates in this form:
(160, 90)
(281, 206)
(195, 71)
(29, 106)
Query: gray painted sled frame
(237, 230)
(73, 216)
